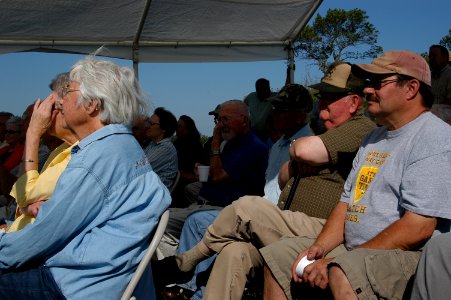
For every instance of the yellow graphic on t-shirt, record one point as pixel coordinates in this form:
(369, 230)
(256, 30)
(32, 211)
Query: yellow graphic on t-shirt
(363, 181)
(376, 158)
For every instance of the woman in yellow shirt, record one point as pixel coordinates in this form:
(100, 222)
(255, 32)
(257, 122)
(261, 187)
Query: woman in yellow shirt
(32, 188)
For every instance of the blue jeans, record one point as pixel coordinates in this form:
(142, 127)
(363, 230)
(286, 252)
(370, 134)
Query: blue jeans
(35, 283)
(193, 230)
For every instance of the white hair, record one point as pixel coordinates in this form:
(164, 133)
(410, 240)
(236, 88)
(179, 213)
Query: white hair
(114, 89)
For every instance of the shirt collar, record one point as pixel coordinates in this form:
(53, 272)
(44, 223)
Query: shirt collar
(100, 134)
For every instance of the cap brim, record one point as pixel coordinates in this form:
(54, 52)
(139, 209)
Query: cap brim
(367, 70)
(279, 104)
(328, 88)
(213, 113)
(273, 99)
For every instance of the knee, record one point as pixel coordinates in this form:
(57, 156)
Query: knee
(236, 252)
(194, 219)
(232, 251)
(335, 274)
(339, 284)
(248, 203)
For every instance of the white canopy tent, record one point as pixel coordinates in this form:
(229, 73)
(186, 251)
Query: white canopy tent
(156, 30)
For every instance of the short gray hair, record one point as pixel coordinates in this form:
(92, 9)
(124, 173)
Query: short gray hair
(239, 105)
(115, 89)
(59, 82)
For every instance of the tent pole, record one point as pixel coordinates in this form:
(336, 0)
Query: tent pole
(136, 69)
(135, 57)
(137, 38)
(290, 64)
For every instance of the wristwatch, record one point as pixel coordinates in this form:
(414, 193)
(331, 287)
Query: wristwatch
(215, 153)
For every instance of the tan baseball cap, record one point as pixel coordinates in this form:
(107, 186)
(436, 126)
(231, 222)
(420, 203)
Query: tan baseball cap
(340, 79)
(397, 62)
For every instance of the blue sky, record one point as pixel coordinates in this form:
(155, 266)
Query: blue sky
(196, 88)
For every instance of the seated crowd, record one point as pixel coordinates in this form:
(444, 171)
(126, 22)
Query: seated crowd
(359, 200)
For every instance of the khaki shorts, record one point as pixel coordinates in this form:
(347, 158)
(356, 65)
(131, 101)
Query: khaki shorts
(375, 274)
(280, 256)
(372, 273)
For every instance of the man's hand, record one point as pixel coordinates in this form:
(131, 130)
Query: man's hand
(216, 141)
(316, 273)
(31, 210)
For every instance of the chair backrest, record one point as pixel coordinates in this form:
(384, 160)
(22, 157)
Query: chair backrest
(127, 295)
(174, 184)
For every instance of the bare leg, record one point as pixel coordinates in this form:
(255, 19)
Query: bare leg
(339, 284)
(271, 289)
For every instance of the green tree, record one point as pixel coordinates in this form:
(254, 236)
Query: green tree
(340, 35)
(446, 41)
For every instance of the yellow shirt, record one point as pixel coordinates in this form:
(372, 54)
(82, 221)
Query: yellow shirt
(32, 187)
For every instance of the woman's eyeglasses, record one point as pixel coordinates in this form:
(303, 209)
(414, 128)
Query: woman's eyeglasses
(66, 90)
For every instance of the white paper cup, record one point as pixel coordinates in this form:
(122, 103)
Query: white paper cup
(203, 173)
(304, 262)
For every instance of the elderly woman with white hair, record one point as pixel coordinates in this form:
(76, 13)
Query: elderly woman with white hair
(89, 238)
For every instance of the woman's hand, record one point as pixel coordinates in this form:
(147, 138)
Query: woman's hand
(43, 115)
(31, 210)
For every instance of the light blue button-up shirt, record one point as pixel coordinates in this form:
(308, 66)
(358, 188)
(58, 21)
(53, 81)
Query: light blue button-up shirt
(278, 155)
(94, 230)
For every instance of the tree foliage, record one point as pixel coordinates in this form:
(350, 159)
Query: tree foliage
(446, 41)
(340, 35)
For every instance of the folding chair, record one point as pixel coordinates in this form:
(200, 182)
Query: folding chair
(174, 184)
(127, 295)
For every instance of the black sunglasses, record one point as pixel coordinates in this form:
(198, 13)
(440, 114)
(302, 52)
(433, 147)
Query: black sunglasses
(378, 83)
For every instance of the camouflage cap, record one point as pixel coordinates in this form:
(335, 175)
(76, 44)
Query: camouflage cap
(292, 97)
(340, 79)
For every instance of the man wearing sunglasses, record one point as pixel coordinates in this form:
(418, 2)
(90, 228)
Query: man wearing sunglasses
(395, 198)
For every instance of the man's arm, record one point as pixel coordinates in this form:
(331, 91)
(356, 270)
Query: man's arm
(332, 233)
(217, 172)
(309, 150)
(305, 154)
(330, 237)
(410, 231)
(284, 175)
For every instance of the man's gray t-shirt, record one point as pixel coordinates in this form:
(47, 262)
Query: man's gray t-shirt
(394, 171)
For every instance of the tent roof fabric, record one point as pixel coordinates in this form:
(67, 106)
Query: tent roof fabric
(158, 30)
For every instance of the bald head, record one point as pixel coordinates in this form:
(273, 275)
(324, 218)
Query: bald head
(233, 119)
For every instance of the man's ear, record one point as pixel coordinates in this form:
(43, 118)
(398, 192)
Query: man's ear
(245, 120)
(412, 89)
(355, 103)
